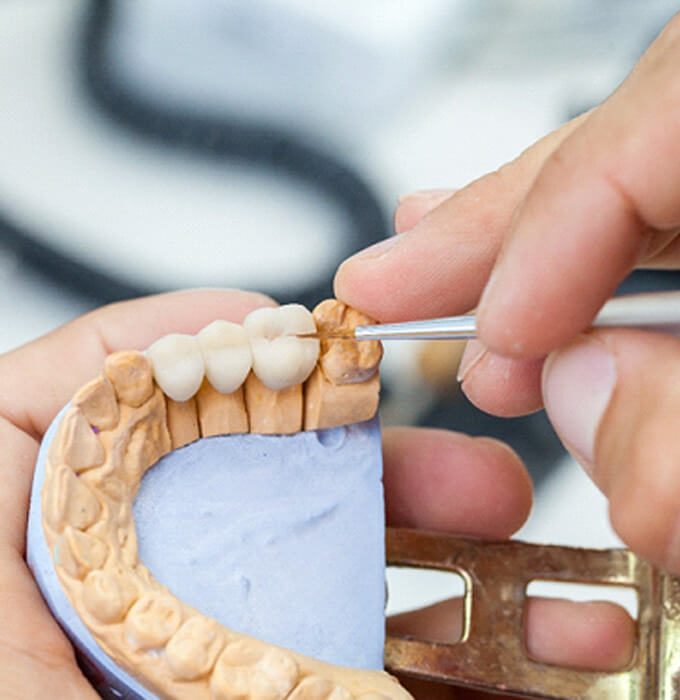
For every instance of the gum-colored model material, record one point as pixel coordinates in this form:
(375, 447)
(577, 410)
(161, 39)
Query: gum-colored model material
(345, 385)
(117, 427)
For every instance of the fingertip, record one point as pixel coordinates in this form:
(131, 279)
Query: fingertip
(449, 482)
(499, 385)
(578, 382)
(596, 635)
(366, 280)
(515, 480)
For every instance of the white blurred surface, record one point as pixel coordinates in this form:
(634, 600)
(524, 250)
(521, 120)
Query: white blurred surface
(114, 199)
(64, 171)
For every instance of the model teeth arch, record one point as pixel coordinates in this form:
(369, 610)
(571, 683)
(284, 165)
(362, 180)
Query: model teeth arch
(226, 379)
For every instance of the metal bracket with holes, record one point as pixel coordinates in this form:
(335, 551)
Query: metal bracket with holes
(491, 654)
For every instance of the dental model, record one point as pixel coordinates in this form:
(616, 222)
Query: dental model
(259, 378)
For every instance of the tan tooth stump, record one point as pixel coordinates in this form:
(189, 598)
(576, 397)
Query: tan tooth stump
(182, 421)
(119, 425)
(345, 385)
(221, 414)
(273, 412)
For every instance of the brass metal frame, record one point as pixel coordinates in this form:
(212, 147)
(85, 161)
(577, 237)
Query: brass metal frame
(491, 654)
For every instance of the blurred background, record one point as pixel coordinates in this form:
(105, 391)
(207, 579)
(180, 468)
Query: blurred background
(256, 143)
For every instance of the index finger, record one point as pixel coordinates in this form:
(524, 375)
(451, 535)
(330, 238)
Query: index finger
(604, 202)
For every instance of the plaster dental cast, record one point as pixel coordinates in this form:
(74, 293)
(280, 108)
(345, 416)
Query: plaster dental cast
(227, 379)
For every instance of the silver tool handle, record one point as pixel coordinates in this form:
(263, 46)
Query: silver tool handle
(658, 311)
(452, 327)
(651, 311)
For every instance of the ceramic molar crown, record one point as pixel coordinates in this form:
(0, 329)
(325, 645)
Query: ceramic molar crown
(280, 358)
(225, 352)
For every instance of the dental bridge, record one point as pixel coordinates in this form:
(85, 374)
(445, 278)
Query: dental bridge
(271, 376)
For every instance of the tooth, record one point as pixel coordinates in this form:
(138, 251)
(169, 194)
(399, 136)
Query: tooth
(131, 375)
(108, 595)
(81, 448)
(70, 502)
(193, 650)
(246, 669)
(97, 401)
(280, 358)
(152, 620)
(182, 419)
(345, 361)
(345, 385)
(178, 365)
(78, 552)
(318, 688)
(227, 356)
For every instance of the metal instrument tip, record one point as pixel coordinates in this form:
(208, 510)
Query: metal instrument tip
(340, 334)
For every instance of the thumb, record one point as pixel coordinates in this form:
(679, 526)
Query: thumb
(614, 399)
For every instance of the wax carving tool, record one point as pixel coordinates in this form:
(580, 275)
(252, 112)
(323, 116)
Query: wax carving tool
(652, 311)
(491, 654)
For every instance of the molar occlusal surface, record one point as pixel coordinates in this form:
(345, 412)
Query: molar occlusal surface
(178, 365)
(345, 361)
(280, 357)
(226, 351)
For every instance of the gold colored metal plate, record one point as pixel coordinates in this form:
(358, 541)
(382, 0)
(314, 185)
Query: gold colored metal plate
(492, 656)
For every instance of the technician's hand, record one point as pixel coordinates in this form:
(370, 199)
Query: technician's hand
(433, 480)
(538, 247)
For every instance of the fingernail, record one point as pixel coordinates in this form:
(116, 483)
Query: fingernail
(578, 382)
(436, 194)
(377, 250)
(473, 353)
